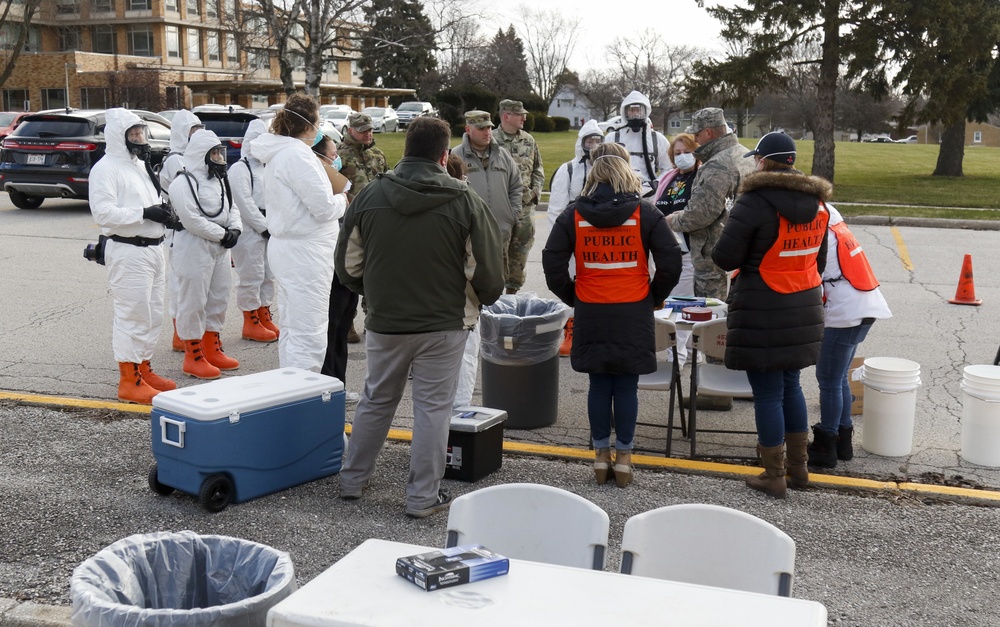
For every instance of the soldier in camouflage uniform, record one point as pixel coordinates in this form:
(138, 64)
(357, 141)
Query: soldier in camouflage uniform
(362, 161)
(523, 148)
(712, 192)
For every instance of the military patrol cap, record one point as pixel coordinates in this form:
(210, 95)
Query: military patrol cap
(479, 119)
(512, 106)
(710, 117)
(360, 122)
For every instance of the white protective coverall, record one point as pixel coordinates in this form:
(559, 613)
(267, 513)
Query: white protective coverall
(567, 183)
(654, 158)
(120, 188)
(201, 264)
(302, 214)
(256, 287)
(180, 129)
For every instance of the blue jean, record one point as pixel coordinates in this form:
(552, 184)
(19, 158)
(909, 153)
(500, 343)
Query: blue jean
(620, 391)
(779, 405)
(839, 346)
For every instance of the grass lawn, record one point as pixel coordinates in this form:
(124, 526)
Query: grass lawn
(897, 174)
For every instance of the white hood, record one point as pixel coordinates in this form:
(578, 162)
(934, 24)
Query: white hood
(194, 155)
(180, 129)
(118, 122)
(266, 145)
(588, 129)
(256, 128)
(635, 98)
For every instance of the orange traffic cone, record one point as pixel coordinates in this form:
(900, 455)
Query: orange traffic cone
(966, 292)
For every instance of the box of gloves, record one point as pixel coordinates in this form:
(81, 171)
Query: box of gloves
(445, 568)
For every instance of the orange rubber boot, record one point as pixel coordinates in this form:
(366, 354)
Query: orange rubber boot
(567, 343)
(131, 387)
(212, 347)
(254, 329)
(178, 343)
(264, 313)
(195, 363)
(154, 380)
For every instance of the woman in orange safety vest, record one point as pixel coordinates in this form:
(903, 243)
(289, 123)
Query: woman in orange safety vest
(612, 233)
(776, 237)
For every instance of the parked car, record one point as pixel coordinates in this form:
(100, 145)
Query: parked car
(414, 109)
(610, 123)
(338, 118)
(230, 126)
(169, 113)
(10, 120)
(329, 128)
(877, 139)
(384, 119)
(912, 139)
(325, 109)
(50, 154)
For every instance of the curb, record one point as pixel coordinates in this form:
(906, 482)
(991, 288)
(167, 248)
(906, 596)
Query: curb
(16, 614)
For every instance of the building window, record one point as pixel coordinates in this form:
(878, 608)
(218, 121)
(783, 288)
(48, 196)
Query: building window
(102, 39)
(355, 70)
(94, 97)
(298, 61)
(977, 137)
(170, 5)
(16, 100)
(140, 5)
(232, 55)
(174, 97)
(140, 41)
(54, 98)
(102, 6)
(258, 60)
(212, 43)
(192, 8)
(229, 6)
(257, 99)
(675, 123)
(67, 7)
(211, 8)
(194, 44)
(69, 38)
(173, 42)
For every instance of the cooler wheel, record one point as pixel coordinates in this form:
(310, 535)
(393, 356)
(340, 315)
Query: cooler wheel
(155, 485)
(216, 493)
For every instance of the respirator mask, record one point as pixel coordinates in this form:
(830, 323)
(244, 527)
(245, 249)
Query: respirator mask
(138, 148)
(215, 159)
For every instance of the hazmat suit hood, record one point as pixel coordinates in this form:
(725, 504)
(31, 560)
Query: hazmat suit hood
(118, 122)
(180, 130)
(256, 128)
(417, 185)
(588, 129)
(194, 155)
(266, 145)
(635, 98)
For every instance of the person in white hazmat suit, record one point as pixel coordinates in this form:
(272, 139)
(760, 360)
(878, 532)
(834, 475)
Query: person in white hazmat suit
(567, 183)
(203, 201)
(302, 218)
(126, 205)
(255, 289)
(647, 148)
(182, 127)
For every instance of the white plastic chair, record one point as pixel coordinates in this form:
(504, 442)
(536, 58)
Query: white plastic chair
(709, 337)
(666, 378)
(532, 522)
(709, 545)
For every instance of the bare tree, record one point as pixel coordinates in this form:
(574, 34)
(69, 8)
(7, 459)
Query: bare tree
(549, 41)
(601, 89)
(15, 20)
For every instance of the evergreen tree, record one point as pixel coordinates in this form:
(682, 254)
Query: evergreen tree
(503, 66)
(397, 50)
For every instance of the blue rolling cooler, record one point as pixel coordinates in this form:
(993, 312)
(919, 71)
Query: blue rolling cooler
(238, 438)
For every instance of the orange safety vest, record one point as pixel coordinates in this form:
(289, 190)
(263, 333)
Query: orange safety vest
(611, 263)
(854, 264)
(790, 264)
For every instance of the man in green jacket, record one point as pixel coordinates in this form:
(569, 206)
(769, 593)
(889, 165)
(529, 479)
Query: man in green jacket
(425, 251)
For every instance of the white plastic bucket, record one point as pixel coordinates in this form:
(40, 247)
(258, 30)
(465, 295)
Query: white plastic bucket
(981, 415)
(890, 405)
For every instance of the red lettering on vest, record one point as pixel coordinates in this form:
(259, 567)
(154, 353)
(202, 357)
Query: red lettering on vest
(611, 263)
(790, 264)
(853, 261)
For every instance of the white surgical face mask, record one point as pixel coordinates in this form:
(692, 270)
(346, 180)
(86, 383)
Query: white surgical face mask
(684, 161)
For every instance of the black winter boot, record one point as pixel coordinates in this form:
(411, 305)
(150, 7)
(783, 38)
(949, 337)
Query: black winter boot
(823, 449)
(845, 449)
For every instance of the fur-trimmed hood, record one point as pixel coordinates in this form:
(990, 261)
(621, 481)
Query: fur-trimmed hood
(793, 180)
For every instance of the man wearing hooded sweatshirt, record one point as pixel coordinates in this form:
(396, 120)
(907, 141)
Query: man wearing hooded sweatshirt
(647, 148)
(256, 287)
(182, 127)
(425, 251)
(203, 201)
(126, 205)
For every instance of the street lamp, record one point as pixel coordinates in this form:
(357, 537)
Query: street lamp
(66, 67)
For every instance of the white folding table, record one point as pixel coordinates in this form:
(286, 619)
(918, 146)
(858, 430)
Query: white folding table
(363, 589)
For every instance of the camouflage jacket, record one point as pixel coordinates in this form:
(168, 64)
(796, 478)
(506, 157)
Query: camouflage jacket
(712, 192)
(523, 148)
(360, 166)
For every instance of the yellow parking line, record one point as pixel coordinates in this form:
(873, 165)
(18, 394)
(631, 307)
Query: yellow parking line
(904, 256)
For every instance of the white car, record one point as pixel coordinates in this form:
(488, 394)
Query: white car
(338, 117)
(329, 128)
(615, 122)
(327, 108)
(912, 139)
(384, 119)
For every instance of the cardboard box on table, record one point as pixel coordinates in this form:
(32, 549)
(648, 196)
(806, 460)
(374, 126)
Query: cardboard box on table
(857, 388)
(475, 443)
(265, 431)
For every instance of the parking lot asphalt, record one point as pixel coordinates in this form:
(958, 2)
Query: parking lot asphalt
(57, 350)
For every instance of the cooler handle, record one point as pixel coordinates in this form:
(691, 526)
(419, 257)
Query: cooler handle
(181, 426)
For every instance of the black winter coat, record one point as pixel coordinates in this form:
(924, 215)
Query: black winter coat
(613, 338)
(770, 331)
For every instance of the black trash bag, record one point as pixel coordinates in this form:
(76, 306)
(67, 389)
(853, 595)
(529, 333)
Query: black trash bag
(522, 329)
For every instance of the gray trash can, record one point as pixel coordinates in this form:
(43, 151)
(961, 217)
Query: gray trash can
(182, 578)
(521, 334)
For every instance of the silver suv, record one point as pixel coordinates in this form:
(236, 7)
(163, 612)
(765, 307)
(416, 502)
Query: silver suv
(410, 110)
